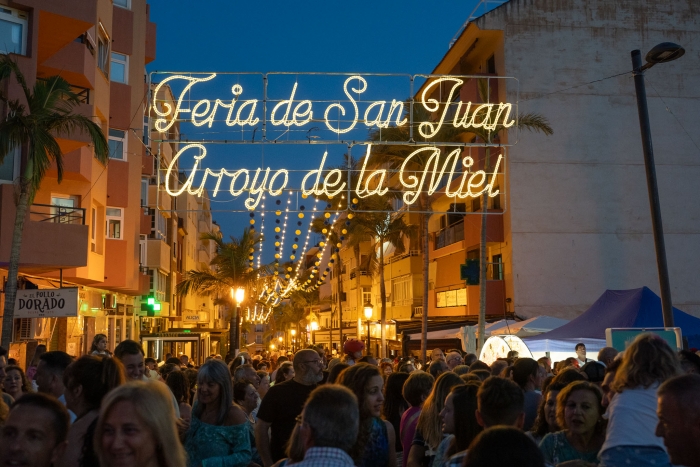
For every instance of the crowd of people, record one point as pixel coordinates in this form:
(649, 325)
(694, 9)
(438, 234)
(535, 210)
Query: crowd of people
(640, 407)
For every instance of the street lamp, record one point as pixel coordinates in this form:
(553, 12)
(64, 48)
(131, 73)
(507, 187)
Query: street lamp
(662, 53)
(368, 315)
(294, 333)
(234, 338)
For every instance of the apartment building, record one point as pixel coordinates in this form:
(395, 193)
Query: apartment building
(575, 218)
(80, 230)
(170, 245)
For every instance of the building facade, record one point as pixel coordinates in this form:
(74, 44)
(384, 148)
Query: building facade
(103, 229)
(575, 220)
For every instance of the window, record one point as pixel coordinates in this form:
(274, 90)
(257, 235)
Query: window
(103, 50)
(146, 130)
(115, 219)
(366, 295)
(123, 3)
(117, 144)
(401, 291)
(142, 250)
(497, 267)
(144, 192)
(63, 209)
(258, 339)
(9, 168)
(93, 230)
(258, 328)
(13, 31)
(119, 68)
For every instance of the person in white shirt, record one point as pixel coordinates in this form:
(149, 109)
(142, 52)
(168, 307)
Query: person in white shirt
(630, 438)
(581, 354)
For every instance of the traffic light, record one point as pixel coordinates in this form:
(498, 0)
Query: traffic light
(151, 307)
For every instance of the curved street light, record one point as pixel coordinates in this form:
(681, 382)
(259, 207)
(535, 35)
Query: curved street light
(662, 53)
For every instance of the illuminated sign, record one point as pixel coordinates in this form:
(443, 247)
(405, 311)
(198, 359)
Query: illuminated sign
(434, 122)
(46, 303)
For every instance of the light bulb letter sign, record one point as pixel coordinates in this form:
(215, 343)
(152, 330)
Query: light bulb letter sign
(426, 169)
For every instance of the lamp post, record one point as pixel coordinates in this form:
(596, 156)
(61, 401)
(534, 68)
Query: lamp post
(664, 52)
(294, 333)
(368, 315)
(234, 339)
(279, 339)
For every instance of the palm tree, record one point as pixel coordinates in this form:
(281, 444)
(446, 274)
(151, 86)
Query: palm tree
(379, 227)
(32, 124)
(395, 155)
(529, 121)
(229, 269)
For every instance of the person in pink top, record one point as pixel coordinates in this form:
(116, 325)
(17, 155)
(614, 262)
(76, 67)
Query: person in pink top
(416, 389)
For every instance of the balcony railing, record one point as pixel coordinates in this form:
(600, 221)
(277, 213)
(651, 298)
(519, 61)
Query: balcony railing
(417, 312)
(57, 214)
(354, 273)
(82, 93)
(450, 235)
(395, 258)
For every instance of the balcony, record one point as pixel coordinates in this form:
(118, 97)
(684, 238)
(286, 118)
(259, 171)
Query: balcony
(54, 237)
(58, 28)
(450, 235)
(158, 255)
(468, 231)
(144, 282)
(75, 63)
(160, 199)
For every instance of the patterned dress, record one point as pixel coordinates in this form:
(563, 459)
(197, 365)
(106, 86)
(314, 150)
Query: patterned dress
(557, 449)
(217, 446)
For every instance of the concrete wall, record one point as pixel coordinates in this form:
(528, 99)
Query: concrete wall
(578, 206)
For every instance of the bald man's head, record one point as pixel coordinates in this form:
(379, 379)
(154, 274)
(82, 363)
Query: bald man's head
(308, 367)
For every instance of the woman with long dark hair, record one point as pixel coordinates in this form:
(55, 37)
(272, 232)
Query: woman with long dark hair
(375, 446)
(459, 423)
(87, 381)
(394, 407)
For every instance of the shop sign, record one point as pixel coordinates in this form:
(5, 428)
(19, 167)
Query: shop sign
(195, 317)
(46, 303)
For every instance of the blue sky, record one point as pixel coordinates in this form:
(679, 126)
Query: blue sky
(405, 36)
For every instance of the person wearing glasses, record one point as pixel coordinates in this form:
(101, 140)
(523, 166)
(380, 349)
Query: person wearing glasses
(283, 403)
(454, 358)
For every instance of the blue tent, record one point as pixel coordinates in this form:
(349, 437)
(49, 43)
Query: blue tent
(634, 308)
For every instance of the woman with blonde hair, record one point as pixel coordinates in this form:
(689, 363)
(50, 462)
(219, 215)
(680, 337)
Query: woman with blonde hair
(632, 419)
(137, 427)
(16, 382)
(429, 429)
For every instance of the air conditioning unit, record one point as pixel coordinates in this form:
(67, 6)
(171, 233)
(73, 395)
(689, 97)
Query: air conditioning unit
(33, 328)
(109, 301)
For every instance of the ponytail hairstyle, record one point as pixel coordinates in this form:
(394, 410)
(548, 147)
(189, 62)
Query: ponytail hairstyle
(96, 375)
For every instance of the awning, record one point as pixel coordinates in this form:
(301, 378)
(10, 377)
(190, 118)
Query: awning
(43, 283)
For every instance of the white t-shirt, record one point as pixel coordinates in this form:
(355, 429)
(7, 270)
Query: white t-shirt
(632, 419)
